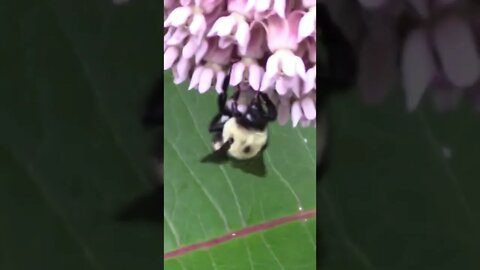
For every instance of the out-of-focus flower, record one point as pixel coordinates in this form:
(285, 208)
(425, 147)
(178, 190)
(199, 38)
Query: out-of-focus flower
(436, 53)
(249, 68)
(308, 22)
(268, 7)
(260, 42)
(234, 28)
(282, 41)
(303, 110)
(212, 69)
(451, 41)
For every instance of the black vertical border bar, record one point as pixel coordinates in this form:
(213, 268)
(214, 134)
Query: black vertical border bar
(336, 73)
(320, 167)
(149, 207)
(160, 153)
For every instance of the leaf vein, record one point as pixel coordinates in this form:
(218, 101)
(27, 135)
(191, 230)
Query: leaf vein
(172, 228)
(284, 181)
(69, 228)
(308, 150)
(362, 256)
(95, 92)
(448, 169)
(209, 196)
(229, 182)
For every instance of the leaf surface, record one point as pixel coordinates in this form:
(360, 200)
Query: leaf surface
(206, 201)
(402, 192)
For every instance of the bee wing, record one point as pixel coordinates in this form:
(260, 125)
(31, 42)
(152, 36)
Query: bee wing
(255, 165)
(219, 156)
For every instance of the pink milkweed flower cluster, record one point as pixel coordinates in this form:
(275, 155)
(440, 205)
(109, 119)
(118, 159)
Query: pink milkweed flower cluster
(437, 49)
(266, 45)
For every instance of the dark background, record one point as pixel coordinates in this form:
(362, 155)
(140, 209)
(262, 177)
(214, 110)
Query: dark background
(73, 153)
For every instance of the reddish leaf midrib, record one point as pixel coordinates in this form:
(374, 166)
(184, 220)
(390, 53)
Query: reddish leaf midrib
(242, 232)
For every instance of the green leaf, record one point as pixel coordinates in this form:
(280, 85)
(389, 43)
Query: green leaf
(206, 201)
(402, 192)
(72, 151)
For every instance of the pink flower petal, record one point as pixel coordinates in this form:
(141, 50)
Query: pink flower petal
(309, 3)
(177, 38)
(181, 70)
(277, 32)
(198, 25)
(171, 55)
(256, 46)
(288, 62)
(300, 67)
(281, 86)
(236, 74)
(293, 21)
(201, 51)
(418, 67)
(271, 70)
(307, 25)
(225, 42)
(167, 36)
(308, 107)
(250, 5)
(456, 47)
(209, 5)
(190, 47)
(309, 83)
(296, 113)
(205, 80)
(266, 83)
(178, 17)
(220, 78)
(283, 112)
(263, 5)
(222, 27)
(236, 5)
(293, 83)
(279, 7)
(255, 73)
(242, 35)
(168, 4)
(195, 77)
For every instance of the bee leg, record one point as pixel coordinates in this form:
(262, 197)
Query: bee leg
(222, 97)
(271, 113)
(216, 125)
(236, 95)
(235, 111)
(222, 102)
